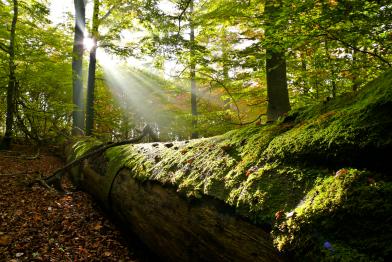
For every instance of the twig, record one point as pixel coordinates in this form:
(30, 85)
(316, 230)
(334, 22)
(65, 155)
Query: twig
(382, 59)
(180, 17)
(228, 92)
(55, 178)
(20, 173)
(24, 157)
(246, 123)
(4, 48)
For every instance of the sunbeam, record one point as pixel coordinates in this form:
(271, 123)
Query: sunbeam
(143, 92)
(88, 43)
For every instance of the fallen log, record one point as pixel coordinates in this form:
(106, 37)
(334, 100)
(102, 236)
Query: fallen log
(176, 227)
(319, 178)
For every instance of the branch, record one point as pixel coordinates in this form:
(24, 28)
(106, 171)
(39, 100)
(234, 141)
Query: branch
(330, 36)
(55, 178)
(25, 157)
(181, 15)
(19, 173)
(107, 14)
(246, 123)
(333, 37)
(4, 48)
(227, 91)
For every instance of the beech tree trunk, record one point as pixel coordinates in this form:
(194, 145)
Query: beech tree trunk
(91, 72)
(277, 91)
(11, 89)
(77, 68)
(195, 133)
(278, 95)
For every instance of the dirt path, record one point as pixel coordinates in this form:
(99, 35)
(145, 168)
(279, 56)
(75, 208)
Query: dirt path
(37, 224)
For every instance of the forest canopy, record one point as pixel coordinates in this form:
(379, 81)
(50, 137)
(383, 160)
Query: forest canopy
(188, 68)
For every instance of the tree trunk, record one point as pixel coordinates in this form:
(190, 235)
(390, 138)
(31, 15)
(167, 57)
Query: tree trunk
(91, 72)
(278, 95)
(174, 227)
(195, 133)
(277, 91)
(11, 90)
(77, 68)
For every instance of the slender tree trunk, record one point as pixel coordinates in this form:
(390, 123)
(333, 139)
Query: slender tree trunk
(195, 133)
(277, 91)
(77, 68)
(333, 74)
(304, 75)
(91, 72)
(11, 90)
(354, 72)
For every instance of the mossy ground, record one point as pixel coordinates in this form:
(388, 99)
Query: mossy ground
(319, 177)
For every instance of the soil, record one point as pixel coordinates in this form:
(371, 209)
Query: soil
(40, 224)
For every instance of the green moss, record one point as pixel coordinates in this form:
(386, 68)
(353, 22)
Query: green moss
(285, 168)
(339, 132)
(351, 211)
(83, 145)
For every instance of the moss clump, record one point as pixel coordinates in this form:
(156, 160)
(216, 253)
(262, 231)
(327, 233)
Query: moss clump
(280, 174)
(341, 218)
(84, 145)
(348, 131)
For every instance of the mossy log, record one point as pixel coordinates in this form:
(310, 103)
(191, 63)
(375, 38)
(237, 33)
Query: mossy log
(177, 228)
(320, 178)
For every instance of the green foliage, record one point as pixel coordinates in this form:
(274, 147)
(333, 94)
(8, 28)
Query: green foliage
(43, 74)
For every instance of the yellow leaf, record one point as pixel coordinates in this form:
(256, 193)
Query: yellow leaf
(97, 226)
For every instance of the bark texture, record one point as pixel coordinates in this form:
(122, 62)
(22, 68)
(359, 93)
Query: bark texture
(182, 230)
(175, 227)
(195, 133)
(11, 89)
(77, 68)
(91, 72)
(277, 91)
(278, 96)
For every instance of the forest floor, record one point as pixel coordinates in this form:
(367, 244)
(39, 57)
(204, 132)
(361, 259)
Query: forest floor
(39, 224)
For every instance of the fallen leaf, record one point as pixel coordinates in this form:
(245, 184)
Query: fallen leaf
(5, 240)
(37, 218)
(98, 226)
(341, 172)
(279, 214)
(107, 254)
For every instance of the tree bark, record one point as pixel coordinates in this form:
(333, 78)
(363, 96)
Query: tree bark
(277, 91)
(278, 96)
(195, 133)
(91, 72)
(11, 89)
(174, 227)
(77, 68)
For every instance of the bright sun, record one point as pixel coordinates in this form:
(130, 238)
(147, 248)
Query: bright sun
(88, 43)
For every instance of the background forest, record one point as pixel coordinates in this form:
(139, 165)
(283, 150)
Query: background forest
(188, 68)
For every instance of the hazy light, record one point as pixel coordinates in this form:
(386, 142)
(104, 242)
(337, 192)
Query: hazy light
(88, 43)
(168, 7)
(60, 8)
